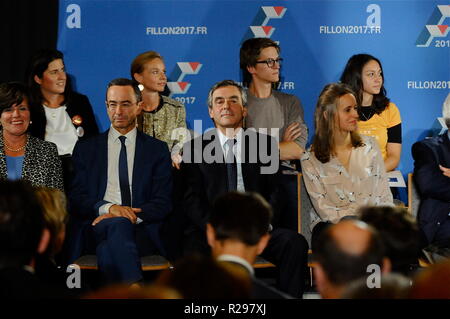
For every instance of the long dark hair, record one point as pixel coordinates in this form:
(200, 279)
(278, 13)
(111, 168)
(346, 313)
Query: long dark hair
(38, 64)
(352, 76)
(324, 120)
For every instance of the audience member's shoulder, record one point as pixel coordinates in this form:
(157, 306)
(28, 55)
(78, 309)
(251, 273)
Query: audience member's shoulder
(150, 139)
(261, 290)
(431, 141)
(92, 140)
(77, 97)
(172, 102)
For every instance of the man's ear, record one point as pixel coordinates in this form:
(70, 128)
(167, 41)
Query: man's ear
(320, 278)
(210, 235)
(37, 80)
(251, 69)
(44, 242)
(387, 266)
(262, 244)
(244, 112)
(211, 113)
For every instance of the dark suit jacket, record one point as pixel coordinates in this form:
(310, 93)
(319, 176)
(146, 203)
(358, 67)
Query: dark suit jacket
(259, 289)
(41, 164)
(206, 181)
(152, 180)
(433, 186)
(76, 105)
(18, 283)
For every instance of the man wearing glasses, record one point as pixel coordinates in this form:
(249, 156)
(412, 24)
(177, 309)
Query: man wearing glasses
(280, 113)
(122, 188)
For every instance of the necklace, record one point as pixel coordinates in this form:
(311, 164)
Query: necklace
(9, 148)
(370, 113)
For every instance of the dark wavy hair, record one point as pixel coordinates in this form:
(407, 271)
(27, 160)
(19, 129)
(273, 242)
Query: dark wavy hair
(12, 93)
(21, 223)
(38, 64)
(324, 120)
(352, 76)
(249, 55)
(244, 217)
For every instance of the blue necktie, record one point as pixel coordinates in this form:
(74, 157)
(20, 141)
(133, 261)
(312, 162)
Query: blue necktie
(123, 174)
(230, 162)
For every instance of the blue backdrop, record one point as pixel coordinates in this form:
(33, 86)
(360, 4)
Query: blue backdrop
(200, 42)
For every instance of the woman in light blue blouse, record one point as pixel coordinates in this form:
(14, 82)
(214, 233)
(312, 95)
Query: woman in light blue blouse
(21, 155)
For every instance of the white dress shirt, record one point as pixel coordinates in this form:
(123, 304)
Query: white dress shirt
(237, 152)
(112, 193)
(60, 130)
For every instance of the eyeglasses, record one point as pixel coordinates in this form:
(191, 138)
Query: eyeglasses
(271, 62)
(124, 105)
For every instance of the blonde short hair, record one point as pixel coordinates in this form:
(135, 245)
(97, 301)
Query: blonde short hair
(137, 66)
(54, 207)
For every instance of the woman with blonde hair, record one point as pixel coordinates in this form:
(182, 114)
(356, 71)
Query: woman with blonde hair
(162, 117)
(342, 170)
(53, 203)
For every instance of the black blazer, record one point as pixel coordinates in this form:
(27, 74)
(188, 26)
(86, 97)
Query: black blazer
(433, 186)
(77, 105)
(206, 181)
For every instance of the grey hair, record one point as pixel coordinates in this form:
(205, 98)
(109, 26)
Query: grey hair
(223, 84)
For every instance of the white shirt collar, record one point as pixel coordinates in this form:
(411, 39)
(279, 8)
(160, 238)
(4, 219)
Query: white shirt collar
(238, 260)
(114, 134)
(223, 138)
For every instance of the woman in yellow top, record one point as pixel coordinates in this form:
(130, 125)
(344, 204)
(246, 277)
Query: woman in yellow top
(378, 117)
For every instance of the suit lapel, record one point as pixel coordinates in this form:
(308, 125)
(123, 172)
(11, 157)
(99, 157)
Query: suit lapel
(138, 164)
(102, 162)
(217, 170)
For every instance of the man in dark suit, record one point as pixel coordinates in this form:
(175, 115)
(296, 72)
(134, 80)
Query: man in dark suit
(432, 177)
(238, 231)
(230, 158)
(122, 185)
